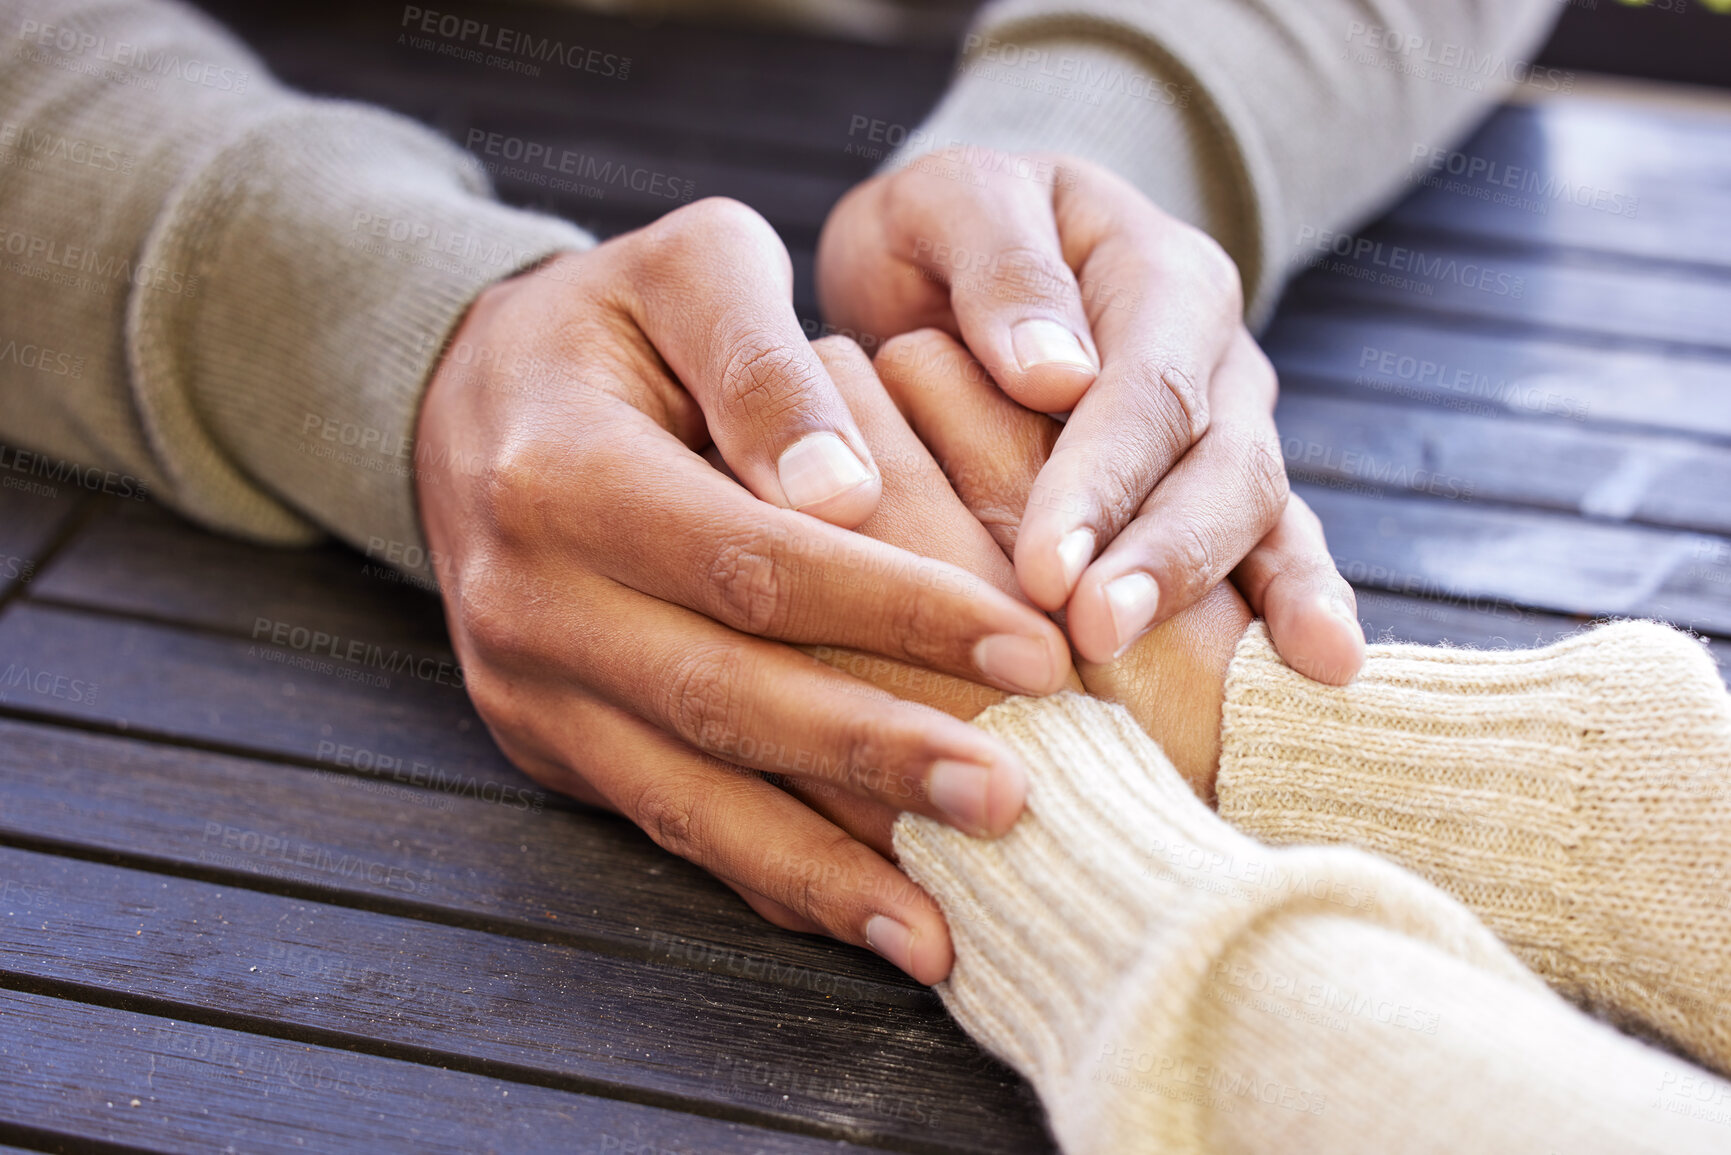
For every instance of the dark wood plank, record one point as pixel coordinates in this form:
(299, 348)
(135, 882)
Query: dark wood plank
(480, 855)
(1589, 295)
(77, 1076)
(255, 696)
(30, 520)
(1588, 173)
(532, 1012)
(1474, 372)
(1496, 557)
(142, 560)
(1363, 446)
(732, 87)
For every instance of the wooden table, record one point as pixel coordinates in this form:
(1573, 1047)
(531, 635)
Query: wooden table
(259, 894)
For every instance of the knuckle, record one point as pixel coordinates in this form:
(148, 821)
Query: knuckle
(765, 379)
(1191, 557)
(703, 705)
(490, 619)
(1027, 274)
(1183, 402)
(814, 889)
(1265, 473)
(667, 812)
(747, 578)
(714, 216)
(1117, 481)
(510, 485)
(496, 701)
(920, 627)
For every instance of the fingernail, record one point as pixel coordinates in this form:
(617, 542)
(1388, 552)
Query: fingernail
(1075, 551)
(1041, 342)
(818, 467)
(892, 940)
(962, 791)
(1023, 665)
(1132, 599)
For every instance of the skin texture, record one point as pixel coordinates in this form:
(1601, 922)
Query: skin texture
(1173, 677)
(1168, 472)
(649, 574)
(622, 608)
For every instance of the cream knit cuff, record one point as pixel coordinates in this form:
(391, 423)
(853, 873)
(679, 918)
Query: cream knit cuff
(1576, 797)
(1087, 936)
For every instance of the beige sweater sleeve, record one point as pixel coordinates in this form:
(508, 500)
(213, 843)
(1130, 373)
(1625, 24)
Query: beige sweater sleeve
(1577, 798)
(220, 291)
(1168, 984)
(1267, 125)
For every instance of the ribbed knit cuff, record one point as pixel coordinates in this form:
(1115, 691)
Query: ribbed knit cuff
(1113, 98)
(329, 252)
(1093, 927)
(1576, 797)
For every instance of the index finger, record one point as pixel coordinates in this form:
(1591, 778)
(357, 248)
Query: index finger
(713, 291)
(650, 514)
(1165, 306)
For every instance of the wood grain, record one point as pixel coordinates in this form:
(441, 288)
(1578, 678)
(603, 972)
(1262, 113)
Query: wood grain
(484, 855)
(93, 1078)
(530, 1012)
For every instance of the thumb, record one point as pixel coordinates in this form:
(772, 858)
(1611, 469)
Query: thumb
(713, 291)
(996, 245)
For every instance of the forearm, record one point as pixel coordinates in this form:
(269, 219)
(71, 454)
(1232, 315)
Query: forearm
(1354, 1038)
(1576, 797)
(1164, 980)
(255, 288)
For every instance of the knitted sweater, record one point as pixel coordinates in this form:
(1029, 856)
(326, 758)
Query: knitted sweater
(1169, 984)
(232, 295)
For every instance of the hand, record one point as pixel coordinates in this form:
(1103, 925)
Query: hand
(611, 594)
(1076, 293)
(1172, 678)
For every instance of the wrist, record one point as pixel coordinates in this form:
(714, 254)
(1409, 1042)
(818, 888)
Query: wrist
(1173, 682)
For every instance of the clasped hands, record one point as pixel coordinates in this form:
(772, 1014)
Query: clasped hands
(744, 589)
